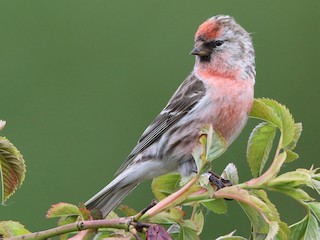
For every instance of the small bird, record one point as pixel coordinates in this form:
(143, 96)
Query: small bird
(219, 91)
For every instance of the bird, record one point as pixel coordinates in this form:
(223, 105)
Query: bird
(219, 91)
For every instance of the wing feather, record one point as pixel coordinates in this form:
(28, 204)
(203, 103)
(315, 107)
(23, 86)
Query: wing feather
(190, 92)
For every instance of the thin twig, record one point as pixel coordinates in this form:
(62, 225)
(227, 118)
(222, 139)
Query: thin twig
(120, 223)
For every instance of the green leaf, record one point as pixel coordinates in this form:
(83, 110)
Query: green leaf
(197, 153)
(284, 231)
(259, 225)
(315, 209)
(264, 112)
(11, 228)
(199, 221)
(168, 216)
(67, 219)
(186, 230)
(230, 236)
(85, 213)
(218, 206)
(63, 209)
(277, 114)
(298, 229)
(295, 193)
(12, 168)
(257, 199)
(212, 145)
(291, 179)
(165, 185)
(312, 230)
(273, 230)
(216, 144)
(64, 221)
(291, 156)
(296, 136)
(103, 235)
(114, 234)
(231, 173)
(316, 185)
(259, 146)
(287, 121)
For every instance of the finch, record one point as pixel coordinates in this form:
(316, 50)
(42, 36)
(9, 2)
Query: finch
(218, 91)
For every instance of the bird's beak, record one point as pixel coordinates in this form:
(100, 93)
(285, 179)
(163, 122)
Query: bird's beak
(201, 51)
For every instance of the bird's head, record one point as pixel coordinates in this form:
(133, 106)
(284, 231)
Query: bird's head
(223, 47)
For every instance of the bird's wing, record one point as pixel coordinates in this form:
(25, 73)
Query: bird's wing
(183, 101)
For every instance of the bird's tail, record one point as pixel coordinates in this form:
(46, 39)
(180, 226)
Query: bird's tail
(111, 195)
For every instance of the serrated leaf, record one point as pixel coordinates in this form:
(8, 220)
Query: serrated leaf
(312, 230)
(67, 219)
(231, 236)
(12, 168)
(298, 229)
(117, 234)
(284, 231)
(259, 146)
(287, 121)
(316, 185)
(199, 221)
(259, 225)
(212, 145)
(64, 221)
(63, 209)
(165, 185)
(273, 230)
(103, 235)
(216, 144)
(270, 209)
(188, 230)
(218, 206)
(291, 156)
(168, 216)
(183, 231)
(231, 173)
(271, 212)
(315, 208)
(296, 193)
(296, 136)
(11, 228)
(264, 112)
(197, 156)
(254, 200)
(291, 179)
(85, 213)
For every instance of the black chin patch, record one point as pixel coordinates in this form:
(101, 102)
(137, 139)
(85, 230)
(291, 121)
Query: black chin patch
(204, 58)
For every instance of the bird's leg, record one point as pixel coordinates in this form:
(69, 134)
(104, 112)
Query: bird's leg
(151, 205)
(218, 181)
(143, 211)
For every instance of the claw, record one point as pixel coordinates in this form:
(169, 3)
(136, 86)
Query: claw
(219, 182)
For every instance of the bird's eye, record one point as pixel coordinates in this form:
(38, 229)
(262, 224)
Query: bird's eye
(218, 43)
(215, 43)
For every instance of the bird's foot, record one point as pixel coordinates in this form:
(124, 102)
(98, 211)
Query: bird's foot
(218, 181)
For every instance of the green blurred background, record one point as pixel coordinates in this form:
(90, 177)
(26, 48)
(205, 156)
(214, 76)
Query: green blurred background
(80, 80)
